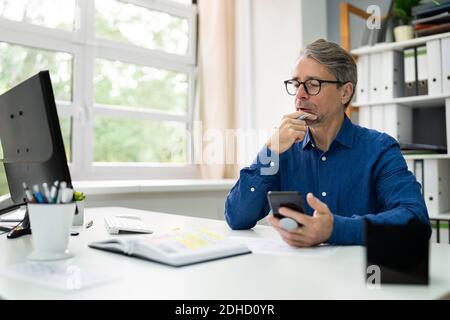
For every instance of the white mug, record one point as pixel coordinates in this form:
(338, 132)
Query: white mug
(50, 227)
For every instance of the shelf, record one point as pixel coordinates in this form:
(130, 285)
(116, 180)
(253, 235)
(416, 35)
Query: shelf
(413, 101)
(398, 45)
(439, 216)
(426, 156)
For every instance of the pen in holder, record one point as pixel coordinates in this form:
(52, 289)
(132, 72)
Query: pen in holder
(50, 224)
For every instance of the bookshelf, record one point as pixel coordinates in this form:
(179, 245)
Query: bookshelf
(426, 156)
(389, 101)
(423, 101)
(380, 47)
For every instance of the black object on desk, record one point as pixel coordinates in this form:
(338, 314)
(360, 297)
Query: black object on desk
(400, 251)
(32, 142)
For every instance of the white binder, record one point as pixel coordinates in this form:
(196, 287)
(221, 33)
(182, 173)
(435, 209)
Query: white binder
(422, 71)
(392, 77)
(436, 185)
(377, 117)
(418, 172)
(364, 117)
(445, 50)
(434, 67)
(410, 164)
(375, 68)
(409, 70)
(362, 89)
(398, 122)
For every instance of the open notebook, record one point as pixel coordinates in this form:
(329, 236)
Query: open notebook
(177, 248)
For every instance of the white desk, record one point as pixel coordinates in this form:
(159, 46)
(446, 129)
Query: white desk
(252, 276)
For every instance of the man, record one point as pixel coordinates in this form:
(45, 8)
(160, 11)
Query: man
(346, 172)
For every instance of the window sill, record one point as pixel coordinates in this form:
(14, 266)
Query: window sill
(98, 187)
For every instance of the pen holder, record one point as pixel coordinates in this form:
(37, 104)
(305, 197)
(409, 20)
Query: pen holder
(78, 218)
(50, 226)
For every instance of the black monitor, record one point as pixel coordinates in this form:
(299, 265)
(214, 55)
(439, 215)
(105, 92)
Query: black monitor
(33, 148)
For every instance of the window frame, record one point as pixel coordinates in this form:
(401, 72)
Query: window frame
(85, 48)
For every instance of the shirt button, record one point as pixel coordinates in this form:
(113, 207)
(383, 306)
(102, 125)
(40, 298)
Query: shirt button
(324, 194)
(252, 189)
(324, 158)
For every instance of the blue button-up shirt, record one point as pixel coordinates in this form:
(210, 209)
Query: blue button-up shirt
(362, 175)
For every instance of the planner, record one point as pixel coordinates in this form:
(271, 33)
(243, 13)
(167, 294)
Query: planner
(177, 248)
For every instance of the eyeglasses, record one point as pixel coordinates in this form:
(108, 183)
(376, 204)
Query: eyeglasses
(312, 86)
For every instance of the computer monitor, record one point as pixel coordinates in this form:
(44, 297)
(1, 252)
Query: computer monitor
(33, 147)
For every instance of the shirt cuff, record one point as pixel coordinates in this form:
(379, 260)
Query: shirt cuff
(347, 231)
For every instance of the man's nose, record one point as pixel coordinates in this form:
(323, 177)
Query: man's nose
(301, 92)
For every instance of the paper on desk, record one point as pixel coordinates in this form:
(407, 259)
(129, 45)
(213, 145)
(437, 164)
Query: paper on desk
(60, 275)
(14, 216)
(279, 247)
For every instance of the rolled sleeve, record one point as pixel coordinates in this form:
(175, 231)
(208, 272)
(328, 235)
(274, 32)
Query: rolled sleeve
(246, 203)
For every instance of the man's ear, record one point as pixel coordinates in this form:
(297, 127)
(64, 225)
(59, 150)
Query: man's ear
(346, 92)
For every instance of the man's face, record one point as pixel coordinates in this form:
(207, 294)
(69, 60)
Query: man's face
(327, 104)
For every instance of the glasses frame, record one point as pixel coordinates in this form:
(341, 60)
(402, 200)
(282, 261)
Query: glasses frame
(290, 81)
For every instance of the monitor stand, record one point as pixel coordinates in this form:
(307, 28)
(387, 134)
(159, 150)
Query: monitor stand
(22, 229)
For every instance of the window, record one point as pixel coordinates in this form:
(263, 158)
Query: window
(151, 29)
(47, 13)
(123, 77)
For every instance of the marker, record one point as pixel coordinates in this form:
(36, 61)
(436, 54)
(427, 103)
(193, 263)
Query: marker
(46, 192)
(54, 191)
(67, 195)
(61, 191)
(28, 194)
(37, 194)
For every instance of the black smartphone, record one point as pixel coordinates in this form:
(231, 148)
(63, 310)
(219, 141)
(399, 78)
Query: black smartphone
(288, 199)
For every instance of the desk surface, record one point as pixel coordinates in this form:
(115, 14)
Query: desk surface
(254, 276)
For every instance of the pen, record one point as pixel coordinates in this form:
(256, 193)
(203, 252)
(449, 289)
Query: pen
(28, 194)
(37, 194)
(46, 192)
(54, 191)
(303, 116)
(61, 190)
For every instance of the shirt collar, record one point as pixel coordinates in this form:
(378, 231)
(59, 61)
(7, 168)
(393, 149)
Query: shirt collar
(344, 136)
(306, 139)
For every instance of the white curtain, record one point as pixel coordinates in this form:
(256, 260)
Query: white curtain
(215, 90)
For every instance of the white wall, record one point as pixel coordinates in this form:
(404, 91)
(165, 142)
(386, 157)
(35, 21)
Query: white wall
(314, 20)
(270, 34)
(277, 41)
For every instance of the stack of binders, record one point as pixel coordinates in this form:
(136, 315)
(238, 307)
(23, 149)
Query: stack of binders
(434, 177)
(423, 67)
(431, 18)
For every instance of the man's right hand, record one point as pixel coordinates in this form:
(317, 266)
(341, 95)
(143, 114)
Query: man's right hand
(291, 130)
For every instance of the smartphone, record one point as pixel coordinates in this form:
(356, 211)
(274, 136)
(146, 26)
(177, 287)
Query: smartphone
(288, 199)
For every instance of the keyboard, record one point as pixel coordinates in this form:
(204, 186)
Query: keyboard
(116, 225)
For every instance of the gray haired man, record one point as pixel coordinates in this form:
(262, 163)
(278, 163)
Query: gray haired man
(344, 172)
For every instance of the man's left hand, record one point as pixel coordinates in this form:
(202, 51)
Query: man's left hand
(315, 229)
